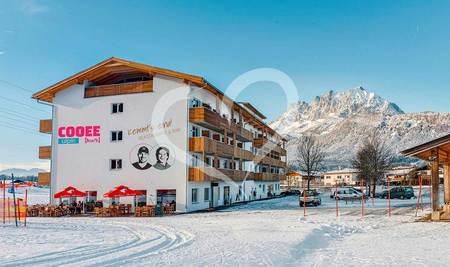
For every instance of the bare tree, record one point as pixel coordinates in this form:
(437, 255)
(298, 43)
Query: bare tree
(372, 159)
(310, 156)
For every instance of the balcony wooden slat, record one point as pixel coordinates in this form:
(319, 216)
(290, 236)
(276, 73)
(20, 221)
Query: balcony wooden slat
(44, 178)
(119, 89)
(261, 141)
(45, 152)
(266, 176)
(197, 174)
(212, 120)
(45, 126)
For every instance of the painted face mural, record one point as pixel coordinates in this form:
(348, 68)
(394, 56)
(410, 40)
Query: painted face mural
(141, 159)
(162, 158)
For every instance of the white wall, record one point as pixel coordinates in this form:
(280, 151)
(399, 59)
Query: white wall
(86, 166)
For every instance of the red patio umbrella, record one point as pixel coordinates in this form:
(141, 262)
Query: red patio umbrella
(70, 192)
(123, 191)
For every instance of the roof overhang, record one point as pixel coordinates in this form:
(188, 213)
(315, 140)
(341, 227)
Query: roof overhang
(115, 66)
(425, 151)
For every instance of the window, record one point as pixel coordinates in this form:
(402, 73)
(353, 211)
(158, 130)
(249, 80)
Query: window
(116, 136)
(194, 195)
(195, 103)
(117, 108)
(209, 161)
(264, 188)
(195, 132)
(206, 194)
(115, 164)
(195, 160)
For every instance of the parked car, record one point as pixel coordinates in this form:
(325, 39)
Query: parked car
(312, 198)
(346, 193)
(401, 192)
(292, 192)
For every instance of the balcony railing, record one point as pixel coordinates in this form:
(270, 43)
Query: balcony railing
(262, 141)
(212, 120)
(267, 176)
(263, 159)
(45, 126)
(199, 174)
(45, 152)
(119, 89)
(211, 146)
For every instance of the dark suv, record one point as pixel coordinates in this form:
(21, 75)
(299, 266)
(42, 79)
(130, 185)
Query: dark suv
(401, 192)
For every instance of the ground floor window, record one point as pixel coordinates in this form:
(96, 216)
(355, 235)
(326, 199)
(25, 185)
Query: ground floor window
(194, 195)
(91, 199)
(141, 200)
(206, 194)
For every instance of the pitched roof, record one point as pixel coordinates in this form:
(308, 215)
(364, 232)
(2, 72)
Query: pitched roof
(116, 65)
(253, 109)
(424, 151)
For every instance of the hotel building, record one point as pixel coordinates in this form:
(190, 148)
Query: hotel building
(171, 135)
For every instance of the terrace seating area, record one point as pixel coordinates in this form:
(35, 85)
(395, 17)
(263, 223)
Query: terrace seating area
(111, 211)
(52, 211)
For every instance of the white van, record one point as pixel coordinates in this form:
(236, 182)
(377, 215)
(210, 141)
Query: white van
(346, 193)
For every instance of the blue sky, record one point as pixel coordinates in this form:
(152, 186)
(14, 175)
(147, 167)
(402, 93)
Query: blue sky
(398, 49)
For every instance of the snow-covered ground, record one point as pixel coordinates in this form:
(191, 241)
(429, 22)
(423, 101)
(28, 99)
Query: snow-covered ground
(264, 233)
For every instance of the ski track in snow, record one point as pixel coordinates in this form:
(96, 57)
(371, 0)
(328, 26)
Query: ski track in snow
(130, 252)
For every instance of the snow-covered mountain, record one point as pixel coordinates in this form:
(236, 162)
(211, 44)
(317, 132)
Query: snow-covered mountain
(21, 172)
(344, 119)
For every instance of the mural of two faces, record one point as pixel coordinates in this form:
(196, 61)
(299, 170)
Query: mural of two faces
(144, 157)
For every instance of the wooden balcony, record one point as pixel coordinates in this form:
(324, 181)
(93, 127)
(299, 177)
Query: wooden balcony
(198, 174)
(44, 178)
(45, 126)
(119, 89)
(261, 159)
(243, 154)
(260, 142)
(242, 134)
(207, 118)
(210, 146)
(212, 120)
(45, 152)
(266, 176)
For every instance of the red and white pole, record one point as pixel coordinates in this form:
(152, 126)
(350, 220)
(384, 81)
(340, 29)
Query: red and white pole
(389, 197)
(26, 207)
(304, 199)
(336, 196)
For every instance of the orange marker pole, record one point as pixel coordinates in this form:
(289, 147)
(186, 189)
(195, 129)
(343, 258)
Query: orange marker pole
(18, 209)
(26, 207)
(304, 200)
(9, 211)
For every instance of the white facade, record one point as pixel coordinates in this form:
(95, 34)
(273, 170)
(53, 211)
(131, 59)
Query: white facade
(85, 160)
(341, 177)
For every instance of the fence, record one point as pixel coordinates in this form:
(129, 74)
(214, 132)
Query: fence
(13, 211)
